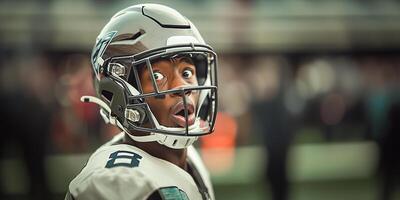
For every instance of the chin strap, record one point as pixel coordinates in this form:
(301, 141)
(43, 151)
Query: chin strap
(171, 141)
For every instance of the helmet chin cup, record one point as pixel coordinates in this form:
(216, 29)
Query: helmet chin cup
(178, 142)
(170, 141)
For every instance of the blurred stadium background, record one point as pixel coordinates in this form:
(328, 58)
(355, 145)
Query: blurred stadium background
(309, 104)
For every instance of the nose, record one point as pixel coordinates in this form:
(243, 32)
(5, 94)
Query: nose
(178, 83)
(181, 93)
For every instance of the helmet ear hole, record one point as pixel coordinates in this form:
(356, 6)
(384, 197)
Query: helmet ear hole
(107, 95)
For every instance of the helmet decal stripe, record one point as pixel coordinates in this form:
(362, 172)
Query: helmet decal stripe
(99, 49)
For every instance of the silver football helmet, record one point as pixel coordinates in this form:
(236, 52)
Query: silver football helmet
(134, 39)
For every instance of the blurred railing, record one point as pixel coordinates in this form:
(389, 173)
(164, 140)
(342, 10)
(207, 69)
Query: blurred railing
(226, 25)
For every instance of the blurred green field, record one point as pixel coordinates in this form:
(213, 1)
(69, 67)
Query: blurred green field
(316, 171)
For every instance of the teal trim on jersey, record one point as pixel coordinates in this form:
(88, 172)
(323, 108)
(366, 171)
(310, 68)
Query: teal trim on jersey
(130, 159)
(172, 193)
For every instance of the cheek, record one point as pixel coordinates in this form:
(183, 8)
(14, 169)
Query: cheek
(195, 82)
(158, 107)
(147, 87)
(195, 97)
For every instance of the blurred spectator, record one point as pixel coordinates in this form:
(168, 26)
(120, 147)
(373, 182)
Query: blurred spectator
(77, 126)
(25, 112)
(27, 119)
(390, 160)
(218, 149)
(383, 117)
(272, 119)
(232, 84)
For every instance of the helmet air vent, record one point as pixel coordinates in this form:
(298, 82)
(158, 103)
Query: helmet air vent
(138, 34)
(128, 36)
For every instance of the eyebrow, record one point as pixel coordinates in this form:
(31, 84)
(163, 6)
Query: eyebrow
(187, 60)
(183, 58)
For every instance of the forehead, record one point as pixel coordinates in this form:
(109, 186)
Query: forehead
(172, 61)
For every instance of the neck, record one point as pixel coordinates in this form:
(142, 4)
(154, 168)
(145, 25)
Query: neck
(175, 156)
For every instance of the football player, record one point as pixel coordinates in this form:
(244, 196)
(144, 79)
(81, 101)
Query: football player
(155, 79)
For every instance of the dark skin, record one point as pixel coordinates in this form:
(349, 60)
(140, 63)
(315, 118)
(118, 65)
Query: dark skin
(169, 74)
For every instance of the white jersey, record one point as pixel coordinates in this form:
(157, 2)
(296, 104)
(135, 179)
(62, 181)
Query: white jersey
(122, 172)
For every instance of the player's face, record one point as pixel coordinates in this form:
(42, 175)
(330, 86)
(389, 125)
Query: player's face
(172, 74)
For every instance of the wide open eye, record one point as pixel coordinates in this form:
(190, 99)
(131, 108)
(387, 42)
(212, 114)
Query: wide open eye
(187, 73)
(158, 76)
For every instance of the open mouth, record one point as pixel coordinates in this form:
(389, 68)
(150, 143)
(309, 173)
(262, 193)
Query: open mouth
(178, 114)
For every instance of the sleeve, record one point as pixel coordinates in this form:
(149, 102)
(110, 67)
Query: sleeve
(116, 183)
